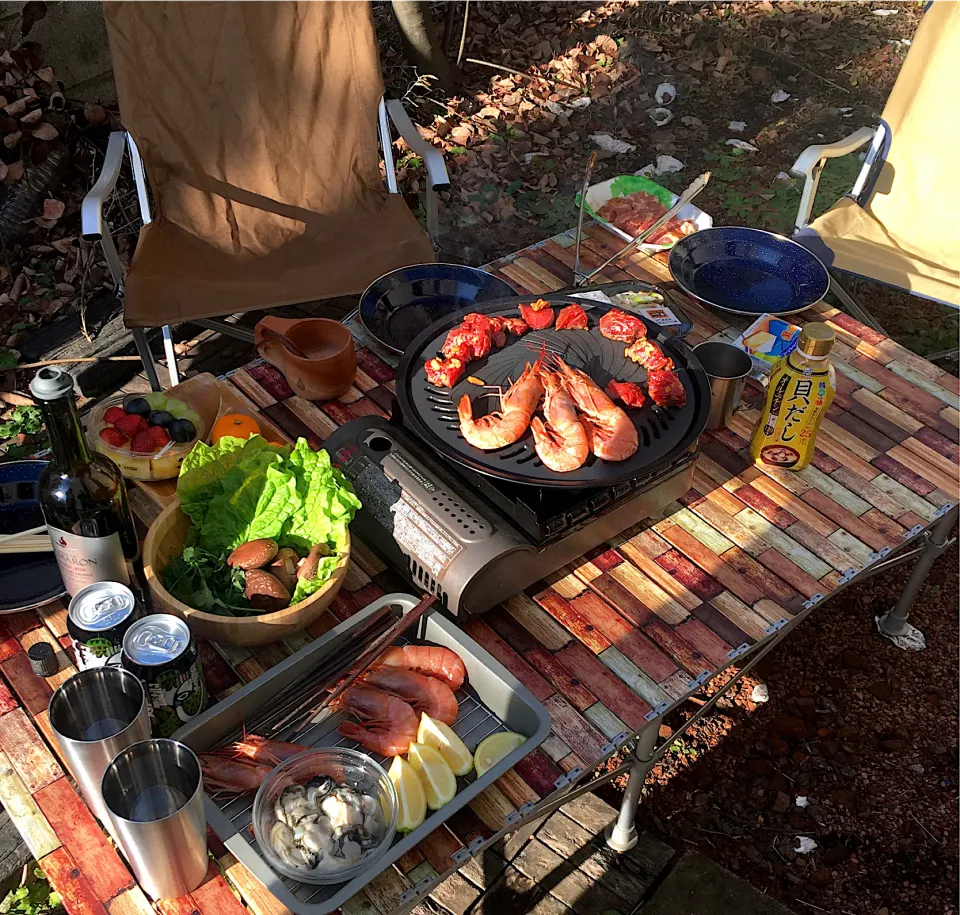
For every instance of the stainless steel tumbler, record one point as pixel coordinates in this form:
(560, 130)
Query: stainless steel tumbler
(154, 794)
(728, 367)
(94, 715)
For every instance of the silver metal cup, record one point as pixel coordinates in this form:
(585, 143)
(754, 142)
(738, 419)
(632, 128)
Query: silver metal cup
(153, 792)
(94, 715)
(728, 367)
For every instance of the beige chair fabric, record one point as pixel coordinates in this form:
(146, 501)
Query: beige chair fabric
(257, 124)
(909, 234)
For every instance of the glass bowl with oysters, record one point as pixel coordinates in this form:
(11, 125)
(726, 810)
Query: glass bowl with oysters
(326, 815)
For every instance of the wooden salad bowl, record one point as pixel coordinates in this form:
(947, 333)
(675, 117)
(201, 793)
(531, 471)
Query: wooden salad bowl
(165, 541)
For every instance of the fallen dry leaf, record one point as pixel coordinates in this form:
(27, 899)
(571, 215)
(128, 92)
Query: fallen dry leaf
(94, 114)
(52, 209)
(14, 172)
(32, 117)
(16, 107)
(46, 74)
(46, 131)
(11, 139)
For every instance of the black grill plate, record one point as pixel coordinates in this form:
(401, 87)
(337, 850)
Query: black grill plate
(431, 412)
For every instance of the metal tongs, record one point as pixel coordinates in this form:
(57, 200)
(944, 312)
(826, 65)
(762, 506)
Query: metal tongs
(580, 279)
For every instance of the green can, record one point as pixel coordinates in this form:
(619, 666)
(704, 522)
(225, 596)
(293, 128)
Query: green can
(161, 651)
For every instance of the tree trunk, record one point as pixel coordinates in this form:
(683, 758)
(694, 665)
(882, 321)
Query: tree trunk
(421, 44)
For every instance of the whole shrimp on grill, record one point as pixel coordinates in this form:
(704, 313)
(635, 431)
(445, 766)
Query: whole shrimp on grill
(505, 426)
(237, 776)
(425, 694)
(561, 442)
(263, 750)
(431, 661)
(388, 724)
(610, 432)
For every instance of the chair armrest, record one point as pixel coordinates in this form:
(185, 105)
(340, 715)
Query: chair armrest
(92, 226)
(813, 155)
(809, 166)
(432, 159)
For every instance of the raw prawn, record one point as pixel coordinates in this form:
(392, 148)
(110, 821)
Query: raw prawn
(262, 750)
(389, 724)
(425, 694)
(440, 663)
(561, 442)
(610, 432)
(234, 775)
(505, 426)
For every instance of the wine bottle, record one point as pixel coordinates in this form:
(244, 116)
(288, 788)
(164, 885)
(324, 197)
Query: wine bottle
(83, 497)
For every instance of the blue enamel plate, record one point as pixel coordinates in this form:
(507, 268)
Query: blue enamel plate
(26, 579)
(401, 304)
(748, 271)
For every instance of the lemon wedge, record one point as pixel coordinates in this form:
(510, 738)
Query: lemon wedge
(440, 736)
(437, 778)
(413, 804)
(493, 748)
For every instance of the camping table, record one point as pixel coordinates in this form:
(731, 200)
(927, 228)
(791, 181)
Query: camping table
(610, 643)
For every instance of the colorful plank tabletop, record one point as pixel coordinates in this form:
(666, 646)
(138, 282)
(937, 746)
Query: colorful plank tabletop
(609, 643)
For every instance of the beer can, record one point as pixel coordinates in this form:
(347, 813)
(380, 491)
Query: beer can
(98, 617)
(161, 651)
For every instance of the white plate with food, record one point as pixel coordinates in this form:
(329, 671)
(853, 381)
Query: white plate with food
(628, 204)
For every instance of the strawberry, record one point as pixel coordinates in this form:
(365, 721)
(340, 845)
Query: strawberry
(113, 437)
(151, 440)
(143, 443)
(131, 424)
(113, 414)
(160, 435)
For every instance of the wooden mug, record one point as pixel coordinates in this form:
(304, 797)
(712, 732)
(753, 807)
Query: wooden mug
(331, 363)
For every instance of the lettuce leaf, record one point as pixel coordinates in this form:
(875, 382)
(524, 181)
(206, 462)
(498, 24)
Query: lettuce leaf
(240, 490)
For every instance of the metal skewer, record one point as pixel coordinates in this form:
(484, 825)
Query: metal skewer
(695, 187)
(591, 163)
(365, 660)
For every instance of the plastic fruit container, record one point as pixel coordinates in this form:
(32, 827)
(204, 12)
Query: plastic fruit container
(346, 767)
(159, 465)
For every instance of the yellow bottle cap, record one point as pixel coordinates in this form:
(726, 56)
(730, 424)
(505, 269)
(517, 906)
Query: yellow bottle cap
(816, 339)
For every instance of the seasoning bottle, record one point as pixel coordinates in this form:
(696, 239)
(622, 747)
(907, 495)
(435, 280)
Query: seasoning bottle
(800, 392)
(83, 497)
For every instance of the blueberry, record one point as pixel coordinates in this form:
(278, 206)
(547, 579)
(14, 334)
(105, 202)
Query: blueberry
(134, 403)
(182, 430)
(160, 418)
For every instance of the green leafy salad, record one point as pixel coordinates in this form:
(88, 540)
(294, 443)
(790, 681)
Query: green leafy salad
(244, 490)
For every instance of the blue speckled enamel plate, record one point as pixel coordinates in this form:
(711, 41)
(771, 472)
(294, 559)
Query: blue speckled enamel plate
(399, 305)
(748, 271)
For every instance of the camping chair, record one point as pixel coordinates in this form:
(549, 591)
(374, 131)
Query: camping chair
(900, 224)
(257, 125)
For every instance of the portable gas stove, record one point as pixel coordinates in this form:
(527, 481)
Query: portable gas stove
(475, 528)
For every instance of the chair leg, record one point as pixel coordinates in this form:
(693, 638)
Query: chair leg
(853, 306)
(433, 216)
(171, 356)
(149, 364)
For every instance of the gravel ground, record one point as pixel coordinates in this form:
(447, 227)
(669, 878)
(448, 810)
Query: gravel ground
(865, 732)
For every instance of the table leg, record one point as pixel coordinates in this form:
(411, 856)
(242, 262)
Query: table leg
(622, 835)
(894, 621)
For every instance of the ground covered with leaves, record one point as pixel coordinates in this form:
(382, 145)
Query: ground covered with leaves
(856, 750)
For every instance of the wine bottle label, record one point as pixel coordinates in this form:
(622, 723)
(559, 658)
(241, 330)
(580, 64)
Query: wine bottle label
(85, 560)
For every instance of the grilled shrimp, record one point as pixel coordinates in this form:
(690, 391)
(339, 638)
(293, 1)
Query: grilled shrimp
(388, 725)
(440, 663)
(234, 775)
(610, 432)
(504, 427)
(561, 442)
(425, 694)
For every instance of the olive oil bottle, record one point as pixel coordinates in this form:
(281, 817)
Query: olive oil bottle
(801, 389)
(83, 497)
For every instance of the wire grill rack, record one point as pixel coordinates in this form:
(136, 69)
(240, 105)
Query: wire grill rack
(474, 722)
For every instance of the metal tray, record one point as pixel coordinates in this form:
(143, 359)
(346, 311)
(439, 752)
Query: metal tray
(491, 699)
